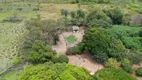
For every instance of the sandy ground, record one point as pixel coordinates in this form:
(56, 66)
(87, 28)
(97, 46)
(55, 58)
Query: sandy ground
(61, 47)
(85, 60)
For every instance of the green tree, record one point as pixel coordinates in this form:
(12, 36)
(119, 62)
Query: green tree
(73, 14)
(58, 71)
(64, 12)
(116, 16)
(112, 74)
(97, 43)
(112, 63)
(47, 71)
(63, 58)
(40, 53)
(80, 13)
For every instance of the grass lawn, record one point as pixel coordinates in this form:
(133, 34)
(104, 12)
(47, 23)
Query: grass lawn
(71, 39)
(13, 75)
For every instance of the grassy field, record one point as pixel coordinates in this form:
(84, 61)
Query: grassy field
(52, 11)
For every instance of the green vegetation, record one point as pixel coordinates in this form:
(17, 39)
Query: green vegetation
(139, 71)
(12, 75)
(41, 53)
(112, 63)
(58, 71)
(113, 74)
(75, 50)
(11, 36)
(29, 29)
(63, 58)
(71, 39)
(97, 43)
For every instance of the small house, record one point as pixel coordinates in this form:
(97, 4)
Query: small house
(75, 29)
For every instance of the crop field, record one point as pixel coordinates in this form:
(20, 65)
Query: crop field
(18, 7)
(11, 37)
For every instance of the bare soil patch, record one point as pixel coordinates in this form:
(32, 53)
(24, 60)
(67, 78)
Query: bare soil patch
(85, 60)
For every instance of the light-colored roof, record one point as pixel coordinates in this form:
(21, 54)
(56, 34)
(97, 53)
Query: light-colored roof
(75, 27)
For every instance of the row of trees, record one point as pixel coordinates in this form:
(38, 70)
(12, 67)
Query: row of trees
(97, 18)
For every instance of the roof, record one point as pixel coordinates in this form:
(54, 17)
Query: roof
(75, 27)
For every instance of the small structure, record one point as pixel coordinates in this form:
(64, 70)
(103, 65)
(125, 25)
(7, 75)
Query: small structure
(75, 29)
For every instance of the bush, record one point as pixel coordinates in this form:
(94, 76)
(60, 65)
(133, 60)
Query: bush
(63, 58)
(112, 63)
(128, 69)
(98, 19)
(97, 43)
(125, 62)
(75, 50)
(112, 74)
(41, 53)
(126, 65)
(115, 15)
(139, 72)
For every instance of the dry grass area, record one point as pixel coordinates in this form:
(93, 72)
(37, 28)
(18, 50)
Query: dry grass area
(52, 11)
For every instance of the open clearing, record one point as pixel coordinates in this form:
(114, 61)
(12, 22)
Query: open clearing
(84, 60)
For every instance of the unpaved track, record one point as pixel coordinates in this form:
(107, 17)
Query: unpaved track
(61, 47)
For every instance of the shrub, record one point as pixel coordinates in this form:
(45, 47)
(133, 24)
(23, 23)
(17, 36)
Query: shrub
(140, 33)
(64, 12)
(63, 58)
(126, 65)
(75, 50)
(128, 69)
(139, 72)
(115, 15)
(112, 74)
(125, 62)
(112, 63)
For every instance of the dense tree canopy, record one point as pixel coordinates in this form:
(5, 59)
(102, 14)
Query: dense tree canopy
(97, 43)
(112, 74)
(41, 53)
(58, 71)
